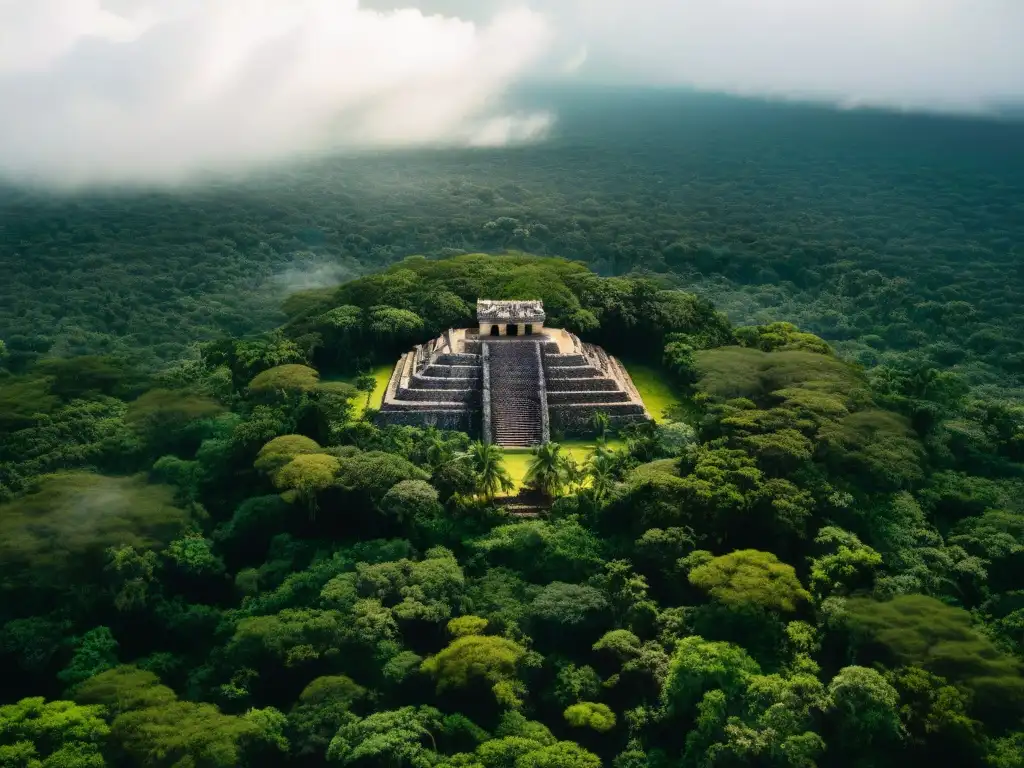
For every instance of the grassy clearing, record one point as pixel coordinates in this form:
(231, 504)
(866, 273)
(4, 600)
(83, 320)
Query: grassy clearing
(382, 374)
(517, 460)
(657, 391)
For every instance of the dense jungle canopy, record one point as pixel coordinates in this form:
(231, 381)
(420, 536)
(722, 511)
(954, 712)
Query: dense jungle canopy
(211, 556)
(886, 234)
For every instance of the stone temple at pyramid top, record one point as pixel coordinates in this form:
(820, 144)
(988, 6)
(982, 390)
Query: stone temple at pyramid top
(511, 380)
(509, 318)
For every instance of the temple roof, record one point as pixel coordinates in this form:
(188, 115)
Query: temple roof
(491, 311)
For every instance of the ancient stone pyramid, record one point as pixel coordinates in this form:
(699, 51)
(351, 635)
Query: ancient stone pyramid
(511, 380)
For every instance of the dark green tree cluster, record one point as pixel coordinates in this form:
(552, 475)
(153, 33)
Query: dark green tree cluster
(387, 312)
(220, 564)
(890, 235)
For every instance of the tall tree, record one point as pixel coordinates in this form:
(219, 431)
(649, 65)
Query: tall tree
(549, 470)
(487, 460)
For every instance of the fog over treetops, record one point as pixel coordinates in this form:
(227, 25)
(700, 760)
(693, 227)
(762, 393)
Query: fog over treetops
(143, 91)
(250, 515)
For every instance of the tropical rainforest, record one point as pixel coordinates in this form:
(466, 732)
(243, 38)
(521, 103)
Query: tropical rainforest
(211, 556)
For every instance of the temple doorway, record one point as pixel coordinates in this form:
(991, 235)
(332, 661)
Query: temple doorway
(511, 329)
(495, 330)
(529, 329)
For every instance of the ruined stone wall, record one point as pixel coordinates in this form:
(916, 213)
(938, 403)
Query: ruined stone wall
(439, 395)
(572, 398)
(436, 382)
(582, 385)
(557, 373)
(452, 371)
(433, 387)
(560, 361)
(458, 421)
(456, 359)
(436, 385)
(577, 421)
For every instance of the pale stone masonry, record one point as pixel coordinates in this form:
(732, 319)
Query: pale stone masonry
(510, 380)
(509, 318)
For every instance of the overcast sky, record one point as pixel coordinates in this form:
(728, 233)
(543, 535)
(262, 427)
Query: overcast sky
(96, 91)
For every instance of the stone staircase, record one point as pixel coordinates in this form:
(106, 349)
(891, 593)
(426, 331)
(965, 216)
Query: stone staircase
(515, 393)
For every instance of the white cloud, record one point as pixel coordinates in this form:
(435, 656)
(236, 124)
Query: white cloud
(510, 129)
(956, 55)
(575, 62)
(162, 90)
(165, 90)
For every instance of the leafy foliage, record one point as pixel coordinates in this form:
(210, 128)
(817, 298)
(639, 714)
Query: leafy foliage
(917, 629)
(493, 660)
(699, 666)
(157, 571)
(749, 578)
(590, 715)
(62, 530)
(34, 732)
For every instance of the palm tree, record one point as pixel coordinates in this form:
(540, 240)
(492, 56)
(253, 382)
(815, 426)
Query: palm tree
(488, 464)
(601, 424)
(549, 469)
(575, 475)
(601, 447)
(601, 471)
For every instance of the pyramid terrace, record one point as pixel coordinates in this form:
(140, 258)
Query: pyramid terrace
(510, 380)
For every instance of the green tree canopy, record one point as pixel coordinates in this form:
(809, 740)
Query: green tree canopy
(374, 473)
(305, 476)
(160, 415)
(285, 381)
(732, 372)
(95, 652)
(403, 736)
(568, 604)
(548, 470)
(916, 629)
(588, 714)
(866, 707)
(124, 688)
(489, 659)
(34, 732)
(487, 462)
(846, 566)
(185, 733)
(698, 666)
(560, 548)
(750, 579)
(283, 449)
(467, 625)
(411, 500)
(69, 521)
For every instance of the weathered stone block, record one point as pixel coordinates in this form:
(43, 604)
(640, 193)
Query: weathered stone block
(457, 359)
(439, 395)
(583, 385)
(560, 361)
(457, 421)
(432, 382)
(452, 371)
(573, 372)
(583, 398)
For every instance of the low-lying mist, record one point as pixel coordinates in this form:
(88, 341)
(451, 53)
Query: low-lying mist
(154, 92)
